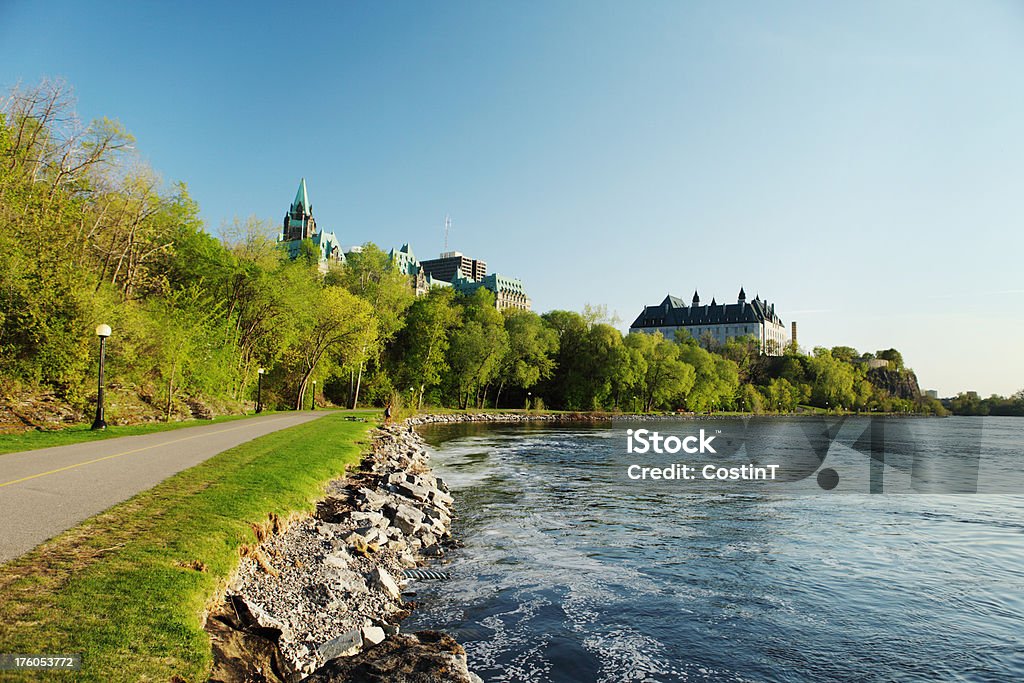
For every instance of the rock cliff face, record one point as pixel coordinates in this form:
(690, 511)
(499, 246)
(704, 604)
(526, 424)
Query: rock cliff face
(899, 383)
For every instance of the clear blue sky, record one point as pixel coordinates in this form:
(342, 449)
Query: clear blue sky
(860, 164)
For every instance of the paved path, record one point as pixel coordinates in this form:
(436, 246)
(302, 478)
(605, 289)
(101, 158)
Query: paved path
(46, 491)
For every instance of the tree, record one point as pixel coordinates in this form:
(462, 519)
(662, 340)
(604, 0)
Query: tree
(567, 387)
(419, 355)
(665, 377)
(846, 354)
(782, 395)
(477, 348)
(531, 349)
(894, 357)
(716, 382)
(750, 399)
(371, 275)
(833, 380)
(335, 324)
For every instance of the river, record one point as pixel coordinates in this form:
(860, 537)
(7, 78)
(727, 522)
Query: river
(574, 571)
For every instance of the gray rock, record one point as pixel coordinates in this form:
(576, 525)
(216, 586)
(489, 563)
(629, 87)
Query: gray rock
(414, 491)
(433, 550)
(423, 657)
(380, 578)
(373, 635)
(408, 518)
(345, 645)
(371, 500)
(367, 518)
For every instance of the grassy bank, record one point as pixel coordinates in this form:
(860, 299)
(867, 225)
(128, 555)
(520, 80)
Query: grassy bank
(127, 588)
(34, 439)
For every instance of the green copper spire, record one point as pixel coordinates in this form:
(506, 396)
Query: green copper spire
(302, 198)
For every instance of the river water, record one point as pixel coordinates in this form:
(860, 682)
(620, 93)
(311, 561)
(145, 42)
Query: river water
(573, 571)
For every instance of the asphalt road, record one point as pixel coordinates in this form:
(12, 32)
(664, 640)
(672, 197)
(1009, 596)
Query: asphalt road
(46, 491)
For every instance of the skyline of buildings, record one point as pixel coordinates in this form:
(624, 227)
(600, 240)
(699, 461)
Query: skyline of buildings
(450, 269)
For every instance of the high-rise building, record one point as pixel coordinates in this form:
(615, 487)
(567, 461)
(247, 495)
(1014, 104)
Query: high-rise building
(452, 262)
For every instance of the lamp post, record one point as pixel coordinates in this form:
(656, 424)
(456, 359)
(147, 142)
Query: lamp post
(313, 402)
(529, 400)
(259, 390)
(102, 331)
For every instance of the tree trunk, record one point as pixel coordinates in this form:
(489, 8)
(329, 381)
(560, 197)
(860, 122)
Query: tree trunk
(302, 392)
(170, 395)
(359, 381)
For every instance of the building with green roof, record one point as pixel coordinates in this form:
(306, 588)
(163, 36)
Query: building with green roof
(300, 225)
(508, 292)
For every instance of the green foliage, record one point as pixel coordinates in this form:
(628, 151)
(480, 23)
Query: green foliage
(717, 379)
(92, 235)
(531, 350)
(833, 380)
(894, 357)
(662, 376)
(419, 357)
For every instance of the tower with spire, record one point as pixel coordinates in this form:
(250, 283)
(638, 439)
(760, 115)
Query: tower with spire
(298, 222)
(299, 226)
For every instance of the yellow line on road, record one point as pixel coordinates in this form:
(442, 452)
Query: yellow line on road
(118, 455)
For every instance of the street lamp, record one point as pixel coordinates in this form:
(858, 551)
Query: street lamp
(102, 331)
(313, 406)
(529, 400)
(259, 390)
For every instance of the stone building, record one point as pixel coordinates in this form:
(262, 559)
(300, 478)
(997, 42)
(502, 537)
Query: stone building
(712, 324)
(406, 262)
(508, 292)
(300, 225)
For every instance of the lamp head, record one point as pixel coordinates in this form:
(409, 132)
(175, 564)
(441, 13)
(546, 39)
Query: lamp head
(103, 331)
(262, 371)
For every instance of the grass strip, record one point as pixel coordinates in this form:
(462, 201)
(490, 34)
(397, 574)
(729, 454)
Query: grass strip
(35, 439)
(128, 587)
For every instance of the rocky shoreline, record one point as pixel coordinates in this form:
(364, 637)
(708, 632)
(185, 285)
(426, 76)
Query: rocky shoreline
(321, 600)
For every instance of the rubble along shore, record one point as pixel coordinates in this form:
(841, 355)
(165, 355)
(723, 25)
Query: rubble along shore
(321, 599)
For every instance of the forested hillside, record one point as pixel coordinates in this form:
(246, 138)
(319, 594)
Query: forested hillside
(93, 235)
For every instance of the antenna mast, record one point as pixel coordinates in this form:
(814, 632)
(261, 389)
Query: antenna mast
(447, 227)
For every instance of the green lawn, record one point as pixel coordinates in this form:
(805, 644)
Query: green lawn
(122, 589)
(34, 439)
